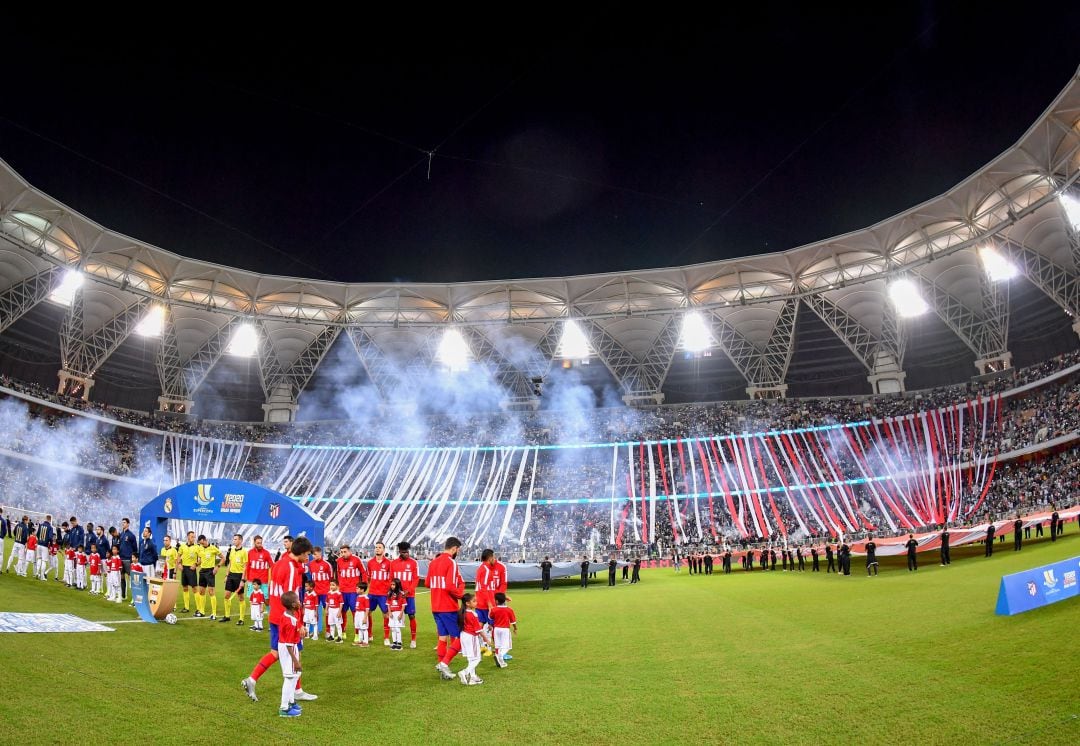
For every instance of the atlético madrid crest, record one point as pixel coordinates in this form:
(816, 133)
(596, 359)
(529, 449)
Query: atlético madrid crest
(275, 510)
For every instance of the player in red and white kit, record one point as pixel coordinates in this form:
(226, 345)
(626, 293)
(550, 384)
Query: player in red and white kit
(286, 575)
(290, 643)
(333, 613)
(80, 569)
(320, 572)
(94, 560)
(502, 620)
(257, 568)
(378, 569)
(447, 587)
(405, 569)
(256, 604)
(350, 572)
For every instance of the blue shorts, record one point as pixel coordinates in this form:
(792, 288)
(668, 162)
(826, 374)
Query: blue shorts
(376, 602)
(482, 615)
(446, 622)
(410, 606)
(348, 602)
(274, 639)
(322, 600)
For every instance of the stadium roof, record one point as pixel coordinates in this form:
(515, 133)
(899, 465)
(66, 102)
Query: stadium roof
(632, 320)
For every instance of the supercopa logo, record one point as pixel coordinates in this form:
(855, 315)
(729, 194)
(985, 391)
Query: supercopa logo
(204, 498)
(1048, 579)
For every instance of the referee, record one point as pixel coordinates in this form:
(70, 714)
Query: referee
(189, 576)
(208, 567)
(236, 560)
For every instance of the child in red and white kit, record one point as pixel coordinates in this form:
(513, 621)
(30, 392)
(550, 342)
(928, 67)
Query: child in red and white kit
(396, 607)
(54, 563)
(503, 620)
(257, 602)
(80, 569)
(311, 609)
(114, 565)
(30, 555)
(69, 566)
(290, 635)
(94, 562)
(334, 602)
(472, 632)
(360, 616)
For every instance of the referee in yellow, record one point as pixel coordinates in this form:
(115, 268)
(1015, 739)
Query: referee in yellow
(169, 555)
(236, 560)
(208, 567)
(189, 576)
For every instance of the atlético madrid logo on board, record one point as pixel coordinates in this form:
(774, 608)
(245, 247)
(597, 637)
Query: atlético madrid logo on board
(275, 510)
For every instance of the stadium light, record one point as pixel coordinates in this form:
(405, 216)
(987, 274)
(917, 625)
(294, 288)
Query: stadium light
(453, 351)
(65, 291)
(244, 342)
(695, 335)
(1071, 206)
(152, 323)
(574, 345)
(906, 298)
(997, 267)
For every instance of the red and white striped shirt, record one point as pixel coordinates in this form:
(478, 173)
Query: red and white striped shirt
(379, 576)
(286, 575)
(444, 580)
(408, 572)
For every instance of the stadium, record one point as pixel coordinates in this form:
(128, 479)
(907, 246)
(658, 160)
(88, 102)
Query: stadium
(861, 403)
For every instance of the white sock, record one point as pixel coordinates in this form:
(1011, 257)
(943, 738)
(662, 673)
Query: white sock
(288, 688)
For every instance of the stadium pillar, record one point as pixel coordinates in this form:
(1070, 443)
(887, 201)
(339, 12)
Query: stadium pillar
(280, 405)
(767, 392)
(887, 377)
(74, 384)
(994, 363)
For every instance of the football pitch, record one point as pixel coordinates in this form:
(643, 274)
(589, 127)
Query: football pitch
(762, 657)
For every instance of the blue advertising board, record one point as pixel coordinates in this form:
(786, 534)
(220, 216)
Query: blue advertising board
(1039, 586)
(230, 501)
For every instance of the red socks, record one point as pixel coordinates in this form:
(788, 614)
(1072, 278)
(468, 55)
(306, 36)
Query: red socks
(441, 650)
(298, 679)
(385, 627)
(451, 650)
(412, 627)
(264, 663)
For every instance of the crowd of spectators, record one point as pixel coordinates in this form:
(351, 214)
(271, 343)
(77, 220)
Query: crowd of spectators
(53, 438)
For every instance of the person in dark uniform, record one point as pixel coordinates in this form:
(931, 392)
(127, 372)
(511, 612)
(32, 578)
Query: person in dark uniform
(945, 558)
(829, 558)
(545, 574)
(783, 560)
(799, 556)
(1027, 532)
(611, 565)
(815, 565)
(871, 556)
(912, 558)
(1055, 524)
(845, 558)
(708, 564)
(636, 576)
(1038, 529)
(990, 540)
(727, 561)
(772, 557)
(764, 560)
(625, 570)
(585, 572)
(1017, 525)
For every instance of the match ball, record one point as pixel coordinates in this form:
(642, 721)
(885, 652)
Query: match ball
(170, 619)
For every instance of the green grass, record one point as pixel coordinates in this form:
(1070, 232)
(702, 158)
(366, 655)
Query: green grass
(747, 658)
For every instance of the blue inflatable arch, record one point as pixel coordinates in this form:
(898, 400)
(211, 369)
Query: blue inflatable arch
(230, 501)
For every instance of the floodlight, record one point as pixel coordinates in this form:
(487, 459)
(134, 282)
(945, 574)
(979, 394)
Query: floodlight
(65, 291)
(574, 345)
(906, 298)
(152, 323)
(1071, 206)
(244, 342)
(997, 267)
(453, 351)
(695, 333)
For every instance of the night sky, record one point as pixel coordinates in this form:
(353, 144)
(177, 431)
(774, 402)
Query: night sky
(589, 140)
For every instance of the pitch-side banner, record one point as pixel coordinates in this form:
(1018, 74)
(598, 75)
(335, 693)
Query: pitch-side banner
(1039, 586)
